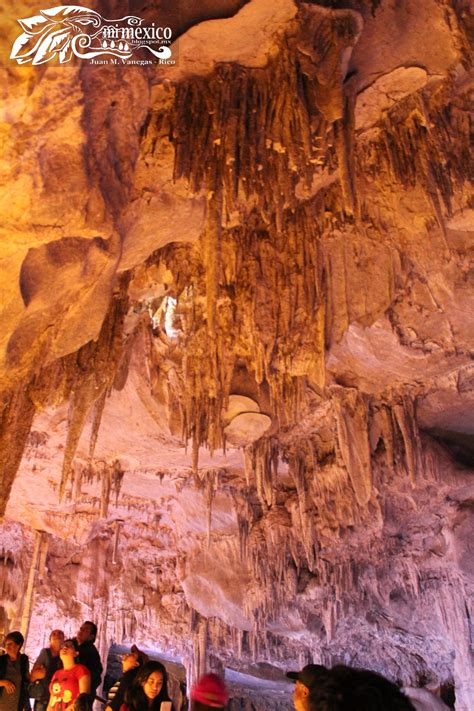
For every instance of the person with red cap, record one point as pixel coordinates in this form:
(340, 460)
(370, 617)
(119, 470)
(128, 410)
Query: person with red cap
(209, 693)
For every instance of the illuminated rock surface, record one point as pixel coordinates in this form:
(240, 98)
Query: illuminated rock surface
(236, 345)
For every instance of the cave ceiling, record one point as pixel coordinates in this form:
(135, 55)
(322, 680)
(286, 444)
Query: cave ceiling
(237, 303)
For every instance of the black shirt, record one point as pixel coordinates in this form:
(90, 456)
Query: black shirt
(89, 656)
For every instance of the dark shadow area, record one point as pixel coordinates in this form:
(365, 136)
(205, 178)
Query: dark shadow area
(459, 444)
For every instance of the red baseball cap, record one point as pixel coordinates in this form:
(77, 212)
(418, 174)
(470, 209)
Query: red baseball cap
(210, 690)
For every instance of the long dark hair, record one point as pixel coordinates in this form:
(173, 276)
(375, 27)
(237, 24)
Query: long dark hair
(345, 689)
(136, 699)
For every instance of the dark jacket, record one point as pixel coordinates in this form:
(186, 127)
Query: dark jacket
(126, 681)
(24, 701)
(89, 656)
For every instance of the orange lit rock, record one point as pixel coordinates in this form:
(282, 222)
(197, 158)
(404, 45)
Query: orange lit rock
(236, 348)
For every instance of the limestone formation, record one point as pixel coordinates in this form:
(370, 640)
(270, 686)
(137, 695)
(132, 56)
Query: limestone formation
(237, 392)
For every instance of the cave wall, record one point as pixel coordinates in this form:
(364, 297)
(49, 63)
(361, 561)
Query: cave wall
(263, 253)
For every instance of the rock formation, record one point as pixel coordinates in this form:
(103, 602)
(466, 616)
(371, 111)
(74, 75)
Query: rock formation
(237, 389)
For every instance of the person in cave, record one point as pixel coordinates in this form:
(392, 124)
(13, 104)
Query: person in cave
(70, 681)
(149, 689)
(46, 664)
(14, 675)
(131, 663)
(209, 693)
(344, 689)
(88, 654)
(304, 682)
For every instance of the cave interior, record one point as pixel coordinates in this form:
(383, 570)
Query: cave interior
(237, 307)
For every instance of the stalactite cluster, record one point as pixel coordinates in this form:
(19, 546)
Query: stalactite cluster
(256, 294)
(269, 317)
(217, 640)
(96, 365)
(424, 141)
(300, 529)
(109, 474)
(9, 589)
(254, 143)
(85, 378)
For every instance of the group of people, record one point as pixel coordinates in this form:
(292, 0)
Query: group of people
(66, 675)
(67, 670)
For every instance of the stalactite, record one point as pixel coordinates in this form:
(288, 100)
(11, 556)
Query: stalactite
(79, 407)
(261, 152)
(419, 137)
(207, 481)
(261, 466)
(352, 428)
(298, 469)
(451, 606)
(117, 527)
(406, 421)
(199, 631)
(343, 134)
(349, 136)
(83, 377)
(243, 525)
(105, 491)
(118, 474)
(268, 538)
(96, 420)
(276, 319)
(388, 435)
(16, 417)
(255, 144)
(17, 409)
(10, 586)
(96, 365)
(344, 584)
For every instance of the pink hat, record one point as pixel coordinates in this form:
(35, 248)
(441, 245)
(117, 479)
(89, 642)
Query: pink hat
(210, 690)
